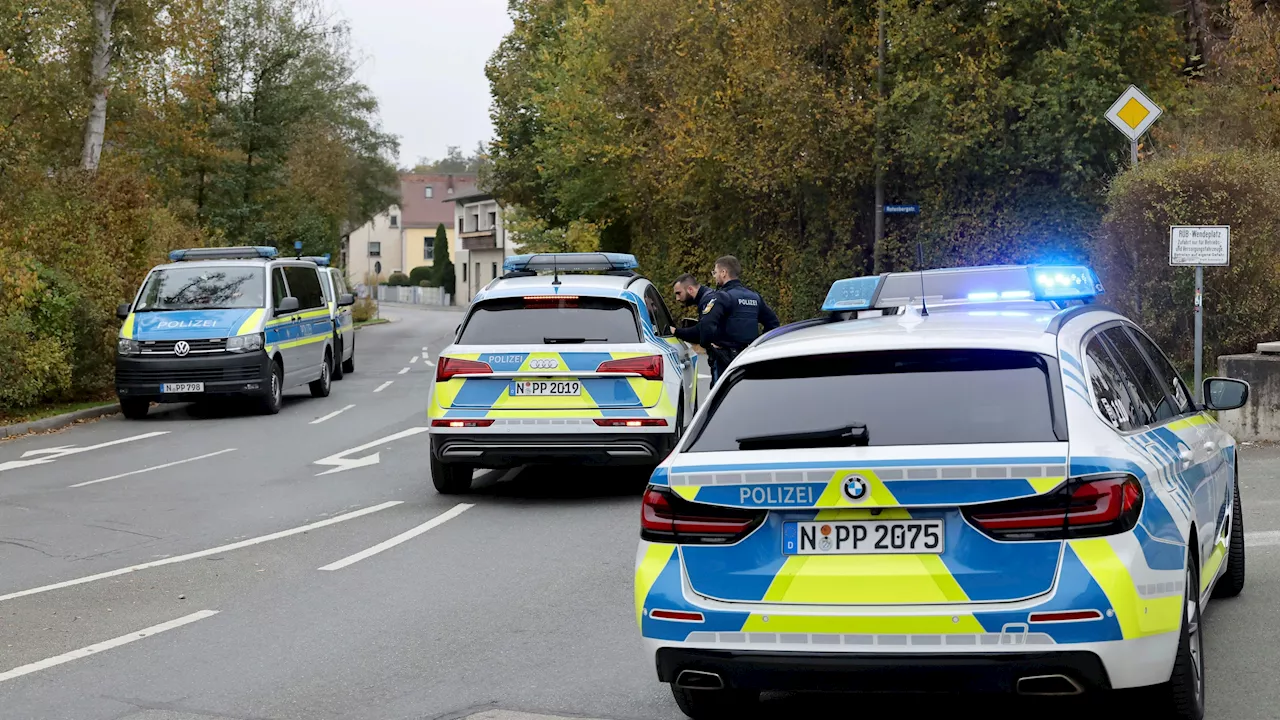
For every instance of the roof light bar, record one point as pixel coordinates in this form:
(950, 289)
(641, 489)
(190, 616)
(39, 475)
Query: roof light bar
(569, 262)
(242, 252)
(1064, 282)
(852, 294)
(318, 260)
(994, 283)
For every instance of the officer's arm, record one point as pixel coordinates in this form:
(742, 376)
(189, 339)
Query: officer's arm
(767, 317)
(690, 335)
(710, 319)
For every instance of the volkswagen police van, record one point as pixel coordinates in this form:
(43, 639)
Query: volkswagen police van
(344, 338)
(218, 322)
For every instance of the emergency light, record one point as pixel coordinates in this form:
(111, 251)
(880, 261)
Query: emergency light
(241, 252)
(321, 261)
(560, 262)
(993, 283)
(852, 294)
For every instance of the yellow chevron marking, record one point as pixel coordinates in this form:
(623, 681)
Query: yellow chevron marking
(126, 330)
(1138, 617)
(833, 496)
(1044, 485)
(688, 492)
(651, 565)
(253, 323)
(881, 625)
(1212, 565)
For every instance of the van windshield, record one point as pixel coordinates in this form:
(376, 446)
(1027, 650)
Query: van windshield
(203, 287)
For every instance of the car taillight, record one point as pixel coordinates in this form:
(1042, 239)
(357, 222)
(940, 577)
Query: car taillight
(648, 367)
(447, 367)
(1083, 507)
(668, 518)
(631, 422)
(461, 423)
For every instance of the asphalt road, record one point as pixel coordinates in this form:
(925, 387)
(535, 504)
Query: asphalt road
(211, 563)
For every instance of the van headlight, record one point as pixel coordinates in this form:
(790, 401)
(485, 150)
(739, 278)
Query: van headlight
(126, 346)
(244, 343)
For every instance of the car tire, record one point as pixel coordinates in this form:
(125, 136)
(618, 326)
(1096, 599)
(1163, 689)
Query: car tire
(716, 704)
(135, 408)
(321, 386)
(338, 372)
(271, 403)
(1182, 698)
(449, 478)
(1232, 581)
(349, 366)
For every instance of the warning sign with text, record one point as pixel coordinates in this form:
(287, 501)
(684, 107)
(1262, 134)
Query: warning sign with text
(1200, 245)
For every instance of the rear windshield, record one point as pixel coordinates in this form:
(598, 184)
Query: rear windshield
(924, 397)
(535, 322)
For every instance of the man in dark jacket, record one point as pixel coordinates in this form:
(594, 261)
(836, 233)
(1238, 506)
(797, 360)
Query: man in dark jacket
(733, 316)
(690, 294)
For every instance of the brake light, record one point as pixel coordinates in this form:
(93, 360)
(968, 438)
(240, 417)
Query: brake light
(447, 367)
(550, 301)
(631, 422)
(648, 367)
(668, 518)
(461, 423)
(1089, 507)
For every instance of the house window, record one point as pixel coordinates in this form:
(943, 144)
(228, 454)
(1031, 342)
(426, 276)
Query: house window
(475, 221)
(375, 249)
(464, 272)
(428, 249)
(494, 270)
(395, 221)
(493, 219)
(431, 192)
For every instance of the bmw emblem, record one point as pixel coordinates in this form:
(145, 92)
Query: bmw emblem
(181, 348)
(856, 488)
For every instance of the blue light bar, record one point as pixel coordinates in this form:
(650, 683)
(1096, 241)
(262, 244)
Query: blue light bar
(851, 294)
(321, 261)
(568, 262)
(242, 252)
(1064, 282)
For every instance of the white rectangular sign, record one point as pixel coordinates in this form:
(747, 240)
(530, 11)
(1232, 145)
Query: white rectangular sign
(1191, 245)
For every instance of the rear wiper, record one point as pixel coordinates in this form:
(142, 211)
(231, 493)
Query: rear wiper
(851, 434)
(571, 340)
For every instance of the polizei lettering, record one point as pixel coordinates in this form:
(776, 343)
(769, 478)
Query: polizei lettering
(777, 495)
(748, 301)
(178, 324)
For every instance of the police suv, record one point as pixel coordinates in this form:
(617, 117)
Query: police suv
(964, 479)
(225, 321)
(566, 357)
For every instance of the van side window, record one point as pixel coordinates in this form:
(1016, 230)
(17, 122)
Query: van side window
(304, 283)
(279, 290)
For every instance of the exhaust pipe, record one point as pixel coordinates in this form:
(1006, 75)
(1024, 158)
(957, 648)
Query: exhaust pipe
(1048, 685)
(699, 680)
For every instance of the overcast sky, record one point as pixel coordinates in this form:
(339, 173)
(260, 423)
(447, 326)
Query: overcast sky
(424, 59)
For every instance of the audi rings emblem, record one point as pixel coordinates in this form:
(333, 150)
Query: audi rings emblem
(856, 488)
(181, 348)
(544, 364)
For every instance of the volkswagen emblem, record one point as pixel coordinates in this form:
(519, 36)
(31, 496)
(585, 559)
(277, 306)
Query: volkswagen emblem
(181, 348)
(544, 364)
(856, 488)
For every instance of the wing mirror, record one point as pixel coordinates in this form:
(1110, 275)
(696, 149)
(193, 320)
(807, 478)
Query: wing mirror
(346, 300)
(287, 305)
(122, 310)
(1225, 393)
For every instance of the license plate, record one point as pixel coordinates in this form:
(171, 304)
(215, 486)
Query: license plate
(546, 387)
(864, 537)
(182, 387)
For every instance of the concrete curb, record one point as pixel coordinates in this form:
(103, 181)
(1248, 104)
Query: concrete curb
(57, 422)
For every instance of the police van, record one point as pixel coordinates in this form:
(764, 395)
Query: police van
(218, 322)
(344, 339)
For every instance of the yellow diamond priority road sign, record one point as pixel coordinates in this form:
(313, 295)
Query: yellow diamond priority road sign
(1133, 113)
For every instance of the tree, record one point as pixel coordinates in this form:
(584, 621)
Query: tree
(104, 12)
(442, 263)
(454, 162)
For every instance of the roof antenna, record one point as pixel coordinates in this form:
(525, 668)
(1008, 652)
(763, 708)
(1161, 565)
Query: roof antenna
(555, 268)
(924, 308)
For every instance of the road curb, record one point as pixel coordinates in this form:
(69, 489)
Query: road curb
(57, 422)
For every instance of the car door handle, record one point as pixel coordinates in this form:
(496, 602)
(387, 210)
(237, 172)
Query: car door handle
(1187, 457)
(1210, 446)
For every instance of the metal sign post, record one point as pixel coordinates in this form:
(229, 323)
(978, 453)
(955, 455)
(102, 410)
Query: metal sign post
(1198, 246)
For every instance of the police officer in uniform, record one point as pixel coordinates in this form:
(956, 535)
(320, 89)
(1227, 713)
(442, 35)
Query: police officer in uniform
(690, 294)
(733, 317)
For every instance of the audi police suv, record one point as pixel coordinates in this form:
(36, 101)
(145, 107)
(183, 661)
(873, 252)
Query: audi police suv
(966, 479)
(567, 357)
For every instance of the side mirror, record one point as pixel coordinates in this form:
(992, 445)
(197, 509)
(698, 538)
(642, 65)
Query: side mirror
(287, 305)
(122, 310)
(1225, 393)
(689, 323)
(346, 300)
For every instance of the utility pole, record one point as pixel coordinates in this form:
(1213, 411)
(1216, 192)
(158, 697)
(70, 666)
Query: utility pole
(877, 245)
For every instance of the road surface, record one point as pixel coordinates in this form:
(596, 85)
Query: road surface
(208, 564)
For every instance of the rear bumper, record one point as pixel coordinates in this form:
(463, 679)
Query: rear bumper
(222, 374)
(898, 673)
(510, 450)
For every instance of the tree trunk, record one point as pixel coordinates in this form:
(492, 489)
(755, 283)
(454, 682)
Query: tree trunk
(104, 12)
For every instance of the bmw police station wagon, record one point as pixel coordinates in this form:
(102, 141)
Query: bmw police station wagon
(344, 339)
(566, 357)
(1004, 487)
(225, 321)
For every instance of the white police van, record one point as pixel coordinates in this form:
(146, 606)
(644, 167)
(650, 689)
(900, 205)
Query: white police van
(225, 321)
(344, 338)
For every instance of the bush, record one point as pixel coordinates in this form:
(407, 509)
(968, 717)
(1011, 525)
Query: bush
(398, 279)
(1241, 302)
(366, 308)
(422, 276)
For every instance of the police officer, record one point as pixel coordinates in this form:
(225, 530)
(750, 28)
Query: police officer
(735, 315)
(690, 294)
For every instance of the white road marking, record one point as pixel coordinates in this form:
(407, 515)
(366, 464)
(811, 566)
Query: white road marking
(428, 362)
(330, 416)
(153, 467)
(341, 462)
(704, 377)
(424, 348)
(204, 553)
(1265, 538)
(413, 359)
(403, 371)
(383, 386)
(48, 455)
(109, 644)
(436, 521)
